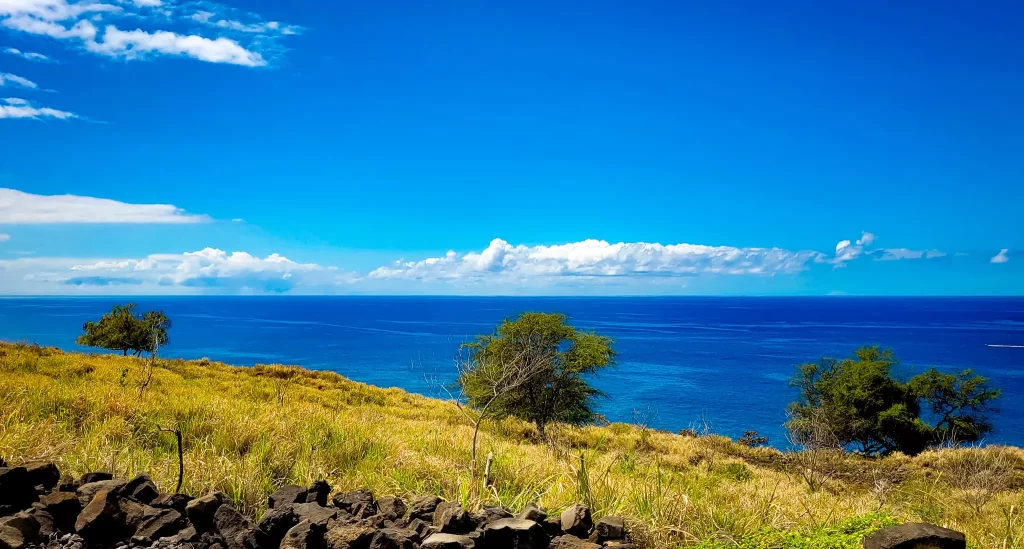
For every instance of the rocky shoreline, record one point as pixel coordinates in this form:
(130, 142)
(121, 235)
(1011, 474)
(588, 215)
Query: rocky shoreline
(41, 510)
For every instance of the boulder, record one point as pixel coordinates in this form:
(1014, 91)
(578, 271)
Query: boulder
(423, 507)
(305, 535)
(132, 512)
(64, 507)
(272, 528)
(186, 535)
(178, 502)
(159, 523)
(451, 518)
(491, 514)
(141, 488)
(200, 511)
(572, 542)
(553, 525)
(916, 536)
(43, 473)
(618, 545)
(318, 492)
(314, 513)
(87, 490)
(16, 490)
(422, 528)
(231, 525)
(447, 541)
(513, 533)
(358, 503)
(610, 528)
(47, 527)
(393, 538)
(101, 522)
(576, 521)
(94, 477)
(11, 538)
(285, 495)
(24, 523)
(534, 513)
(391, 508)
(349, 536)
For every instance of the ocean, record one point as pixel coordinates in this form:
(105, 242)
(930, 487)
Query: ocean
(724, 362)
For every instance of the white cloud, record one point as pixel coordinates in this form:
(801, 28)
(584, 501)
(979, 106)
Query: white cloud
(71, 20)
(866, 239)
(137, 43)
(597, 258)
(19, 208)
(4, 237)
(16, 107)
(8, 79)
(847, 251)
(893, 254)
(31, 56)
(1001, 257)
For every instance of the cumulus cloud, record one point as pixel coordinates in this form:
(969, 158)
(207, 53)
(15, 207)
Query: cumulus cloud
(847, 250)
(597, 258)
(16, 107)
(21, 208)
(8, 79)
(237, 41)
(1001, 257)
(31, 56)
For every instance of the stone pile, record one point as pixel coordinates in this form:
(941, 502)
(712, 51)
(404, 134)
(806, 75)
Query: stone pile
(39, 509)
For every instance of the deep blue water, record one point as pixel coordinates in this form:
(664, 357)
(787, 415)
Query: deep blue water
(682, 361)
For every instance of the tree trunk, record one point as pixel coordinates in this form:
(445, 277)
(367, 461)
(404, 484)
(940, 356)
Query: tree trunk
(125, 352)
(540, 429)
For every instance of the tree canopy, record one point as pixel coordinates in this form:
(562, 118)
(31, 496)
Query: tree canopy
(123, 330)
(863, 406)
(534, 368)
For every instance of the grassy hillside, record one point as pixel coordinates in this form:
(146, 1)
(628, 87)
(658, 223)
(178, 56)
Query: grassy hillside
(248, 430)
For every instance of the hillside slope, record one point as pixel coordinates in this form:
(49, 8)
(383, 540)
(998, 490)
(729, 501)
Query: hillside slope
(248, 430)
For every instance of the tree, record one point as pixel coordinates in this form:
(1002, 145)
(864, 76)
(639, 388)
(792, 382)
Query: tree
(122, 330)
(534, 368)
(866, 408)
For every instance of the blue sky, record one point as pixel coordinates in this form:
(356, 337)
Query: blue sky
(172, 146)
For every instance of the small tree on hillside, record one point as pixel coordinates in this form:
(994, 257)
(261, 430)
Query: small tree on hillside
(122, 330)
(533, 368)
(866, 408)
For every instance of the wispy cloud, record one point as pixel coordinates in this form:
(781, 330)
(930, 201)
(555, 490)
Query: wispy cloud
(1001, 257)
(8, 79)
(4, 237)
(239, 36)
(16, 107)
(21, 208)
(31, 56)
(847, 250)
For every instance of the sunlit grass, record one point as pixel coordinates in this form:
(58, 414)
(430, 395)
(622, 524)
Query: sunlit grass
(249, 430)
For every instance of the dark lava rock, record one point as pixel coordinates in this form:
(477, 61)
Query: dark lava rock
(305, 535)
(47, 527)
(43, 473)
(87, 490)
(553, 526)
(26, 524)
(610, 528)
(232, 526)
(101, 522)
(16, 490)
(11, 538)
(423, 507)
(513, 533)
(451, 518)
(349, 536)
(358, 503)
(178, 502)
(422, 528)
(158, 523)
(916, 536)
(491, 514)
(534, 513)
(314, 513)
(64, 507)
(94, 477)
(285, 495)
(141, 488)
(576, 521)
(272, 528)
(391, 508)
(394, 538)
(572, 542)
(200, 511)
(318, 492)
(447, 541)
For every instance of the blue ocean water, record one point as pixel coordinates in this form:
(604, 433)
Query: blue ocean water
(683, 361)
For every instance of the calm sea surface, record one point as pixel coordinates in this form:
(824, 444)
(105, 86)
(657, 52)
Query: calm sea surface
(682, 361)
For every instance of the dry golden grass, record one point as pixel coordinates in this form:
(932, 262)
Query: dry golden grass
(249, 430)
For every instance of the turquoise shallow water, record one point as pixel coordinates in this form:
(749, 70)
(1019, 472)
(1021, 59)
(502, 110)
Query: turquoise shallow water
(682, 361)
